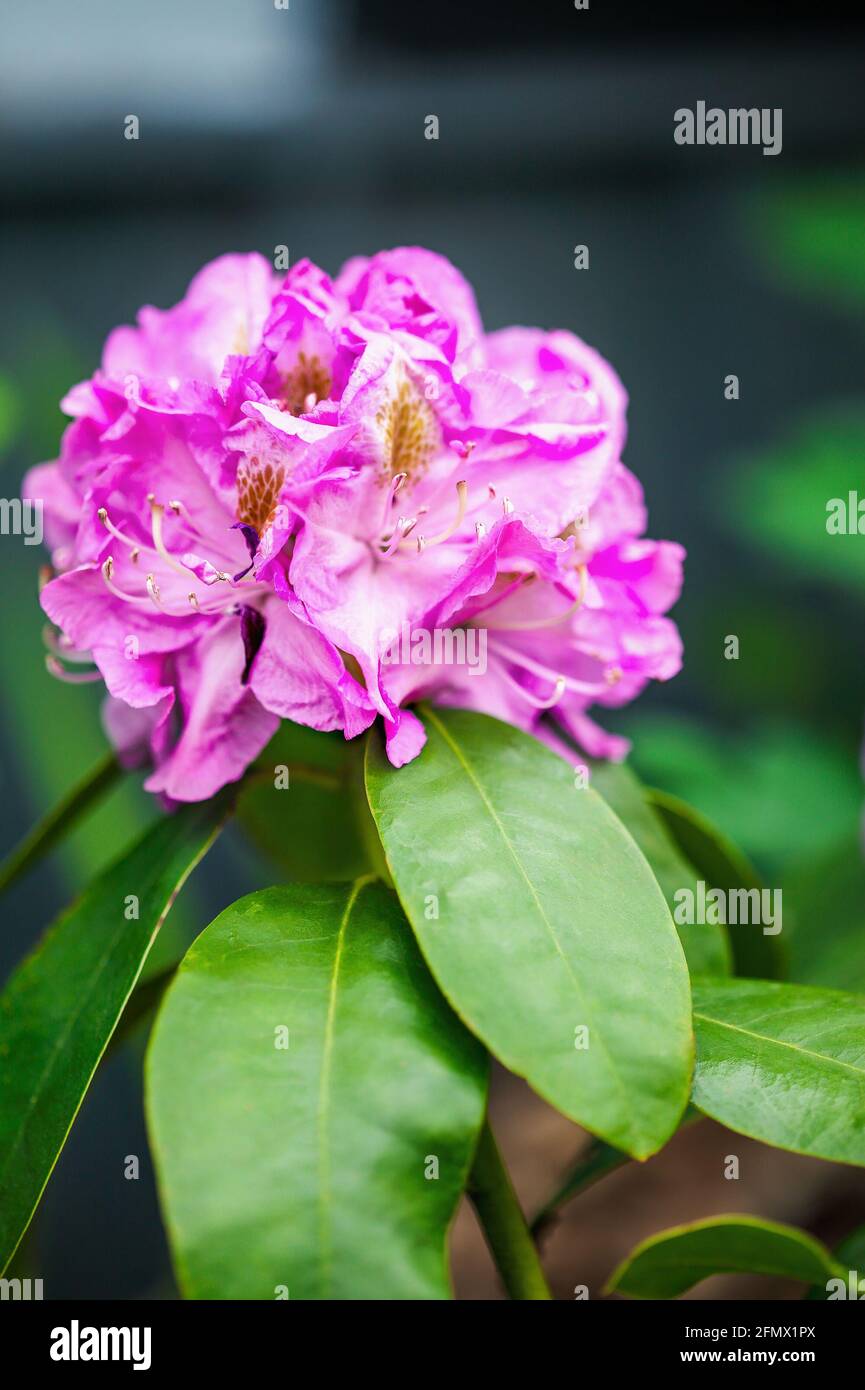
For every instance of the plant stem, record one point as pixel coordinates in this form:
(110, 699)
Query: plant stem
(503, 1223)
(598, 1160)
(44, 836)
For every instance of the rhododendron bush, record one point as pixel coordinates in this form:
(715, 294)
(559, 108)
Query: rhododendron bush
(366, 577)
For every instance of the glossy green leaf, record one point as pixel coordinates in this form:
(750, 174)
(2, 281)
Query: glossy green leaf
(542, 923)
(667, 1264)
(61, 1006)
(720, 864)
(706, 945)
(784, 1064)
(313, 1103)
(308, 828)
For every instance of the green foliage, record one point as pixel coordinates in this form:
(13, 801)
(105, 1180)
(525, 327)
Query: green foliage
(309, 828)
(827, 902)
(313, 1103)
(778, 499)
(784, 1064)
(706, 946)
(542, 923)
(668, 1264)
(60, 1008)
(781, 792)
(721, 865)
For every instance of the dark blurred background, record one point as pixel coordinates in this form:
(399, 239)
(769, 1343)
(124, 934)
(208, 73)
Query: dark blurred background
(305, 126)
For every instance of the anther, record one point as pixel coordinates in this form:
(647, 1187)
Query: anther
(156, 514)
(107, 573)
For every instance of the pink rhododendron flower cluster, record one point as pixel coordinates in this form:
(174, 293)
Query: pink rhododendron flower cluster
(264, 484)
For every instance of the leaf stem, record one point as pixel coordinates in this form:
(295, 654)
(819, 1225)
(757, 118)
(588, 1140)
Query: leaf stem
(594, 1163)
(503, 1223)
(598, 1160)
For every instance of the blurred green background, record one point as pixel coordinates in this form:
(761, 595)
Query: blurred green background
(306, 128)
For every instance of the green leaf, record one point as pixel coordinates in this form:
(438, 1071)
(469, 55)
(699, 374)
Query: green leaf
(784, 1064)
(666, 1265)
(61, 1006)
(541, 922)
(59, 821)
(720, 864)
(781, 790)
(850, 1255)
(827, 897)
(309, 828)
(811, 233)
(309, 1166)
(778, 499)
(706, 946)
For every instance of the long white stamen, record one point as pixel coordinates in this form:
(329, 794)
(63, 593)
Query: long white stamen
(462, 499)
(112, 529)
(559, 687)
(532, 625)
(107, 572)
(536, 668)
(157, 512)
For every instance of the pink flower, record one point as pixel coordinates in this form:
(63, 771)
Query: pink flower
(321, 501)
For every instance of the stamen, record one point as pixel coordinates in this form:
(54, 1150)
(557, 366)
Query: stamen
(107, 571)
(507, 506)
(54, 668)
(462, 447)
(193, 600)
(60, 645)
(480, 530)
(153, 590)
(536, 668)
(462, 498)
(156, 514)
(534, 624)
(396, 483)
(400, 531)
(559, 687)
(112, 529)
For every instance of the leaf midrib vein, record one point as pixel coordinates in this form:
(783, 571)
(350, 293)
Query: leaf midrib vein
(780, 1042)
(580, 990)
(323, 1117)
